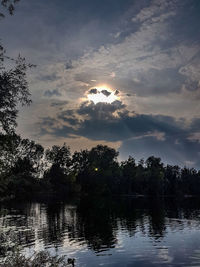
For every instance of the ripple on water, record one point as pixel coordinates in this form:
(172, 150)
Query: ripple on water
(115, 235)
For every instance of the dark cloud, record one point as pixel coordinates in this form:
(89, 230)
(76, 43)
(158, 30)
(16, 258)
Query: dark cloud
(142, 134)
(69, 112)
(59, 103)
(51, 93)
(192, 85)
(46, 124)
(69, 65)
(113, 122)
(48, 121)
(49, 77)
(69, 116)
(122, 127)
(103, 111)
(72, 121)
(105, 92)
(195, 125)
(93, 91)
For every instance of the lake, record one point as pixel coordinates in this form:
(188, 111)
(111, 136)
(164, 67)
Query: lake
(107, 231)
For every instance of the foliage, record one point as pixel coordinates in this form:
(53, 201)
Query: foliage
(43, 258)
(12, 256)
(13, 83)
(8, 5)
(20, 165)
(13, 90)
(91, 172)
(59, 156)
(14, 148)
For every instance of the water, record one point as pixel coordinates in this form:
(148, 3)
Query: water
(107, 232)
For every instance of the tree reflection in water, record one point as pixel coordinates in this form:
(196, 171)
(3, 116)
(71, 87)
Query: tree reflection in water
(93, 223)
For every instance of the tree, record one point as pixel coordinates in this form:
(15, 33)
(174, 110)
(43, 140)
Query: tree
(96, 169)
(59, 155)
(13, 91)
(60, 174)
(172, 180)
(57, 178)
(20, 161)
(155, 174)
(80, 161)
(8, 5)
(13, 148)
(13, 84)
(102, 156)
(129, 174)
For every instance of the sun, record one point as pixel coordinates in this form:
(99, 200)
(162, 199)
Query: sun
(102, 94)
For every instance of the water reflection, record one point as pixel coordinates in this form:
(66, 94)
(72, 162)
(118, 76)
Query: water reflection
(115, 232)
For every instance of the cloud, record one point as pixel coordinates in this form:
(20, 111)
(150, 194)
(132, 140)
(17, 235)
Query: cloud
(68, 116)
(59, 103)
(154, 12)
(93, 91)
(105, 92)
(148, 49)
(149, 61)
(140, 135)
(48, 77)
(183, 152)
(51, 93)
(69, 65)
(96, 91)
(116, 123)
(102, 111)
(120, 123)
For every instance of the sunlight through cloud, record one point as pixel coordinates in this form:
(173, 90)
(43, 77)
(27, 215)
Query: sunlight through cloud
(102, 94)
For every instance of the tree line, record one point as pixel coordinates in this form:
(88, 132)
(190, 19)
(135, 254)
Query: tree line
(26, 169)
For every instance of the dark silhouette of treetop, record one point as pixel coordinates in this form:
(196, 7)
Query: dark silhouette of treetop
(9, 6)
(13, 91)
(13, 83)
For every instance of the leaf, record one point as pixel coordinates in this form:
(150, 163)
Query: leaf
(11, 9)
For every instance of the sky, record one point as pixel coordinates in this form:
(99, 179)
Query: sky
(123, 73)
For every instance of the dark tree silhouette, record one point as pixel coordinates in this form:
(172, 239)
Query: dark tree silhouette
(8, 5)
(89, 172)
(155, 175)
(13, 83)
(60, 156)
(13, 90)
(129, 173)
